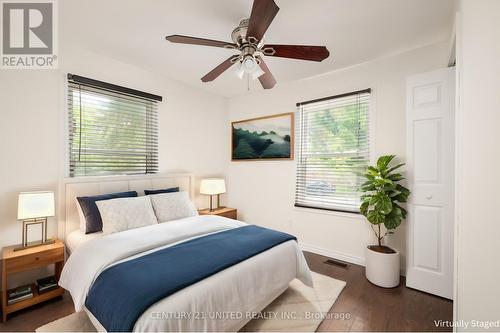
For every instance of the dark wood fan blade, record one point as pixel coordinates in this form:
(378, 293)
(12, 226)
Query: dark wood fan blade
(214, 73)
(302, 52)
(198, 41)
(267, 80)
(263, 13)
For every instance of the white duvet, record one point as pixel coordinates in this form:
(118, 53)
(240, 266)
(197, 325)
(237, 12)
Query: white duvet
(222, 302)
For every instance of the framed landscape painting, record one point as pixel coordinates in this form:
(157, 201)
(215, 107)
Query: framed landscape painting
(264, 138)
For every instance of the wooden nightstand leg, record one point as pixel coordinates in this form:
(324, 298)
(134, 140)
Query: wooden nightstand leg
(58, 269)
(4, 292)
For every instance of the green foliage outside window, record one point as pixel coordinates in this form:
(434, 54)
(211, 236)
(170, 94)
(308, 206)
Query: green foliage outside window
(338, 141)
(110, 135)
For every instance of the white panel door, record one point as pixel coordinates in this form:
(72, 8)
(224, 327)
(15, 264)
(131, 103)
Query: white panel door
(430, 127)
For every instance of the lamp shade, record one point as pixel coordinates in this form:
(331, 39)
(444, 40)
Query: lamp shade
(212, 186)
(35, 204)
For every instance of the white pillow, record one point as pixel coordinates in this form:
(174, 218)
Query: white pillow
(125, 213)
(172, 206)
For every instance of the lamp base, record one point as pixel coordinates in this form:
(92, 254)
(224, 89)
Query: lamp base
(43, 241)
(218, 202)
(34, 244)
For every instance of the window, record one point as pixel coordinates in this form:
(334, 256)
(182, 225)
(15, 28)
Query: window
(333, 148)
(113, 130)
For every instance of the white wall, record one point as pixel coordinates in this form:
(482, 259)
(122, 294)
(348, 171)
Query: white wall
(193, 128)
(478, 243)
(263, 191)
(29, 141)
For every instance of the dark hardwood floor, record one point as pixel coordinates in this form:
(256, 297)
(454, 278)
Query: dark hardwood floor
(29, 319)
(371, 308)
(368, 307)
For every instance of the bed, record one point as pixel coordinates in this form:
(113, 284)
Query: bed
(223, 301)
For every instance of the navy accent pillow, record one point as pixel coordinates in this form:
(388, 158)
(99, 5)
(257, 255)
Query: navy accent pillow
(89, 208)
(166, 190)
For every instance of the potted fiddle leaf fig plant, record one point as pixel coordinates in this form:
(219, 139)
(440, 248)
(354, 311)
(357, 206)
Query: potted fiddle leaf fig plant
(381, 206)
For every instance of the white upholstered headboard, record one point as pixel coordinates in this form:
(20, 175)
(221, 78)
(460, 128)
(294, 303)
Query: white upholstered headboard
(74, 187)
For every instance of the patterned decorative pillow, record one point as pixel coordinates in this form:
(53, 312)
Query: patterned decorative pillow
(126, 213)
(172, 206)
(93, 221)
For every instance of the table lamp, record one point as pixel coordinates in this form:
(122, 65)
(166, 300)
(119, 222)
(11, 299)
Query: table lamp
(34, 208)
(211, 187)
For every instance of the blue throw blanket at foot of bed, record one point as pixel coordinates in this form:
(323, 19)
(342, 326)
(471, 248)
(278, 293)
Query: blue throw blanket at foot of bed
(122, 293)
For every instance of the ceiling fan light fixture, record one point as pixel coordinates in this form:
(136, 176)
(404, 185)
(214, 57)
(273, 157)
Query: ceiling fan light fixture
(257, 73)
(249, 64)
(246, 68)
(240, 71)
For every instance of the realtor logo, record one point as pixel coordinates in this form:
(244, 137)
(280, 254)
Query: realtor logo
(28, 34)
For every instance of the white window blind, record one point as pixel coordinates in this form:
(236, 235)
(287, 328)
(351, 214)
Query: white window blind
(333, 148)
(113, 130)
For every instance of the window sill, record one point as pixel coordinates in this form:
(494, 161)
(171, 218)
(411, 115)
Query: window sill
(355, 216)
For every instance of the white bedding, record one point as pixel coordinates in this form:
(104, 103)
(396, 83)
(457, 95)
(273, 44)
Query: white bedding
(78, 237)
(237, 291)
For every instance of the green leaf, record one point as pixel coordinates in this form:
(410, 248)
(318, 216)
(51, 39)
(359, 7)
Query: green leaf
(403, 195)
(402, 189)
(382, 203)
(391, 169)
(381, 182)
(393, 219)
(396, 177)
(373, 171)
(368, 182)
(393, 194)
(403, 211)
(401, 198)
(367, 188)
(384, 161)
(384, 206)
(368, 176)
(366, 197)
(389, 187)
(364, 207)
(375, 217)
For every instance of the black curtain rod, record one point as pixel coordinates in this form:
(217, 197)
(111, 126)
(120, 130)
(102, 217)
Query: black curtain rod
(364, 91)
(112, 87)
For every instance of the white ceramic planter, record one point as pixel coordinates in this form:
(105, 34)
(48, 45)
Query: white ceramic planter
(382, 269)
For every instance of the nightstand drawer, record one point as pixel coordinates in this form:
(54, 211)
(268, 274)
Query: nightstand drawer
(33, 260)
(231, 214)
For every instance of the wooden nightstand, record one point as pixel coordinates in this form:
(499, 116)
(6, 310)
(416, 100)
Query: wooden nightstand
(27, 259)
(231, 213)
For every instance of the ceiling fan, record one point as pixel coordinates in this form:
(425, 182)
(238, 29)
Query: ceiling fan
(248, 39)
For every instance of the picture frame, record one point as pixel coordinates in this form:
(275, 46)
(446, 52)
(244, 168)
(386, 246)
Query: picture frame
(263, 138)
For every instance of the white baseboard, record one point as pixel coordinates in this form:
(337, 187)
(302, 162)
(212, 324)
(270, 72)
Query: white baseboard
(332, 254)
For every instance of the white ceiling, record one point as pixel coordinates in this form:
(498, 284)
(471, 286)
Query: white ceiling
(354, 31)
